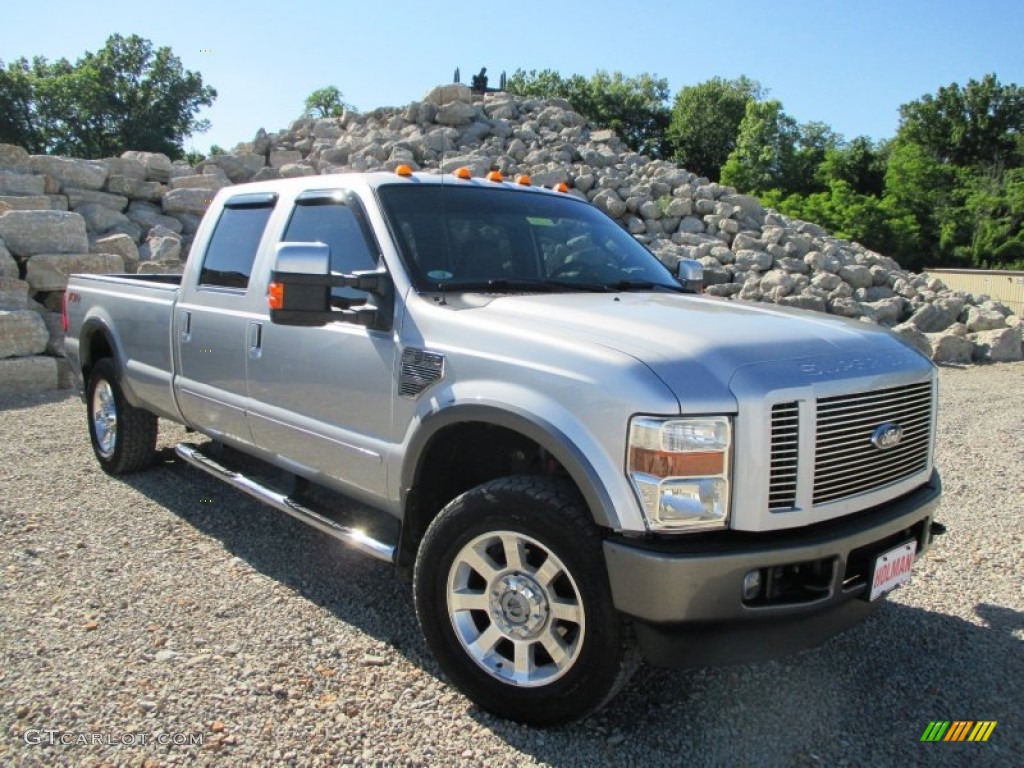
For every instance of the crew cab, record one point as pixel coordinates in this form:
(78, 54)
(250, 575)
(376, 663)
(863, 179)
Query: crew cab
(583, 459)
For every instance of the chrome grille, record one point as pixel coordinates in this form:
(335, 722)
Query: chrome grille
(785, 440)
(846, 461)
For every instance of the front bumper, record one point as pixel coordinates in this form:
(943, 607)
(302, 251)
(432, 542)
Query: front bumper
(685, 595)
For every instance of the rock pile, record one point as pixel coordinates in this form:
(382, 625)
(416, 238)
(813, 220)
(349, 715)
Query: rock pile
(138, 212)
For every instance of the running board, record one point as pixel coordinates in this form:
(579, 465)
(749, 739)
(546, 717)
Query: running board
(349, 536)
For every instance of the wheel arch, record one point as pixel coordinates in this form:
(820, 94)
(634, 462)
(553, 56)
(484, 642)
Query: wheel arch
(506, 429)
(98, 340)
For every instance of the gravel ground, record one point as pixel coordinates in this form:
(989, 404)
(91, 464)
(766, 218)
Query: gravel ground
(166, 606)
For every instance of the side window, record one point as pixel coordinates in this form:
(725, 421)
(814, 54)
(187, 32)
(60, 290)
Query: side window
(232, 249)
(337, 225)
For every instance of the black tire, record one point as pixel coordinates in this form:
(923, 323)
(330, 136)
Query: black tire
(123, 437)
(527, 611)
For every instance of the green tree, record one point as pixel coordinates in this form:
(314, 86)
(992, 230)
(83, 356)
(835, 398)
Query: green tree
(634, 107)
(326, 102)
(705, 122)
(979, 125)
(765, 151)
(18, 124)
(127, 95)
(860, 163)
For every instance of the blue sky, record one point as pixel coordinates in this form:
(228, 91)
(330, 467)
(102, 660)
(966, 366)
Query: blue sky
(849, 64)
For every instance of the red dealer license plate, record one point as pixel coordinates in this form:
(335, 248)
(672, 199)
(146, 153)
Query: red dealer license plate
(892, 569)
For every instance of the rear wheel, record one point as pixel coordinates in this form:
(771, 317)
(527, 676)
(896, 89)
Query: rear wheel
(123, 437)
(513, 598)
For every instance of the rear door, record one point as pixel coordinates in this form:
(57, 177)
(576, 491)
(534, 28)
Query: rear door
(212, 320)
(321, 397)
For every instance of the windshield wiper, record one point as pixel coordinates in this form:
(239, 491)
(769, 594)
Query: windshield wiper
(522, 284)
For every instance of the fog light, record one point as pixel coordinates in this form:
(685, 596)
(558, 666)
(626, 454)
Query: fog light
(751, 585)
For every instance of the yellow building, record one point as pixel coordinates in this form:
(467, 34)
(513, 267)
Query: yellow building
(1004, 286)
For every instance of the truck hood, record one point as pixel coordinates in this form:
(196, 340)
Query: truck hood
(706, 349)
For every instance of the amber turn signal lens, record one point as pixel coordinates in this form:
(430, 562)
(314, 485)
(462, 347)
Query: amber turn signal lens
(275, 295)
(671, 464)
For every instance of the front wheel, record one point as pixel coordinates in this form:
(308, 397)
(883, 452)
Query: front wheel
(513, 598)
(123, 437)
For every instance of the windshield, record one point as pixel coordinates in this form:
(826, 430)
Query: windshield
(468, 238)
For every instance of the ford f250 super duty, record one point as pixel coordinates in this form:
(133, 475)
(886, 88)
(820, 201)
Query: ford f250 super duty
(584, 461)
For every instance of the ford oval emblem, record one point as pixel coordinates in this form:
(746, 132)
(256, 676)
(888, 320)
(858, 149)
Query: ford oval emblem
(887, 436)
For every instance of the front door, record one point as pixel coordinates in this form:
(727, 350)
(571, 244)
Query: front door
(320, 398)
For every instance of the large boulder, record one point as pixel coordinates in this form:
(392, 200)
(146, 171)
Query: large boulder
(194, 201)
(13, 293)
(14, 158)
(121, 245)
(22, 332)
(30, 202)
(77, 197)
(29, 374)
(951, 348)
(99, 218)
(238, 168)
(999, 346)
(70, 172)
(8, 266)
(49, 271)
(147, 216)
(27, 233)
(157, 165)
(445, 94)
(21, 184)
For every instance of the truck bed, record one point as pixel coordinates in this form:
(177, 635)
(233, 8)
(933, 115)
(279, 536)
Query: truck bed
(137, 311)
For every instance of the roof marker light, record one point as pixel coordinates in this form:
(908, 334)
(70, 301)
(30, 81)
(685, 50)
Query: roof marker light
(495, 176)
(404, 170)
(462, 173)
(561, 187)
(523, 179)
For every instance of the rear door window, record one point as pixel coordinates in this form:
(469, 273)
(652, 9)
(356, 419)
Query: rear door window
(236, 239)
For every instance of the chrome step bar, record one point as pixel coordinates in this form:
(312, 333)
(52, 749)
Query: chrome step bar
(351, 537)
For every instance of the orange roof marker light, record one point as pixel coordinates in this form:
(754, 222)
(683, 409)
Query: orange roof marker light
(404, 170)
(561, 187)
(523, 179)
(495, 176)
(462, 173)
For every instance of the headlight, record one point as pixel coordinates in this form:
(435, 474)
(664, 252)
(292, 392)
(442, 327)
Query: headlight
(680, 469)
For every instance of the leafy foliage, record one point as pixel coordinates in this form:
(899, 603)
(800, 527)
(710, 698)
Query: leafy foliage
(765, 151)
(948, 190)
(634, 107)
(326, 102)
(127, 95)
(706, 120)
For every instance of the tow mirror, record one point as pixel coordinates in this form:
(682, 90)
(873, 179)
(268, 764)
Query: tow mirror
(690, 274)
(300, 286)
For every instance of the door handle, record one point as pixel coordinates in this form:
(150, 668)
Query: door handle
(186, 326)
(255, 340)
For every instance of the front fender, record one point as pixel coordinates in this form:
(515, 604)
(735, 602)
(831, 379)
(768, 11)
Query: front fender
(595, 463)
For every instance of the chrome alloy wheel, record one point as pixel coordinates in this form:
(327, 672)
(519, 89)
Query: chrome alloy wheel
(104, 418)
(516, 609)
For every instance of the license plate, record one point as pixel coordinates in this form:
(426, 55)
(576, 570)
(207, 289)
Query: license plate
(892, 569)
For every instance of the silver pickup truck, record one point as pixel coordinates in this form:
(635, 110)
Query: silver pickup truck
(585, 461)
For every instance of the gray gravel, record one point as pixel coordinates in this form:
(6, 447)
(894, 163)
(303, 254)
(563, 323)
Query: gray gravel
(168, 605)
